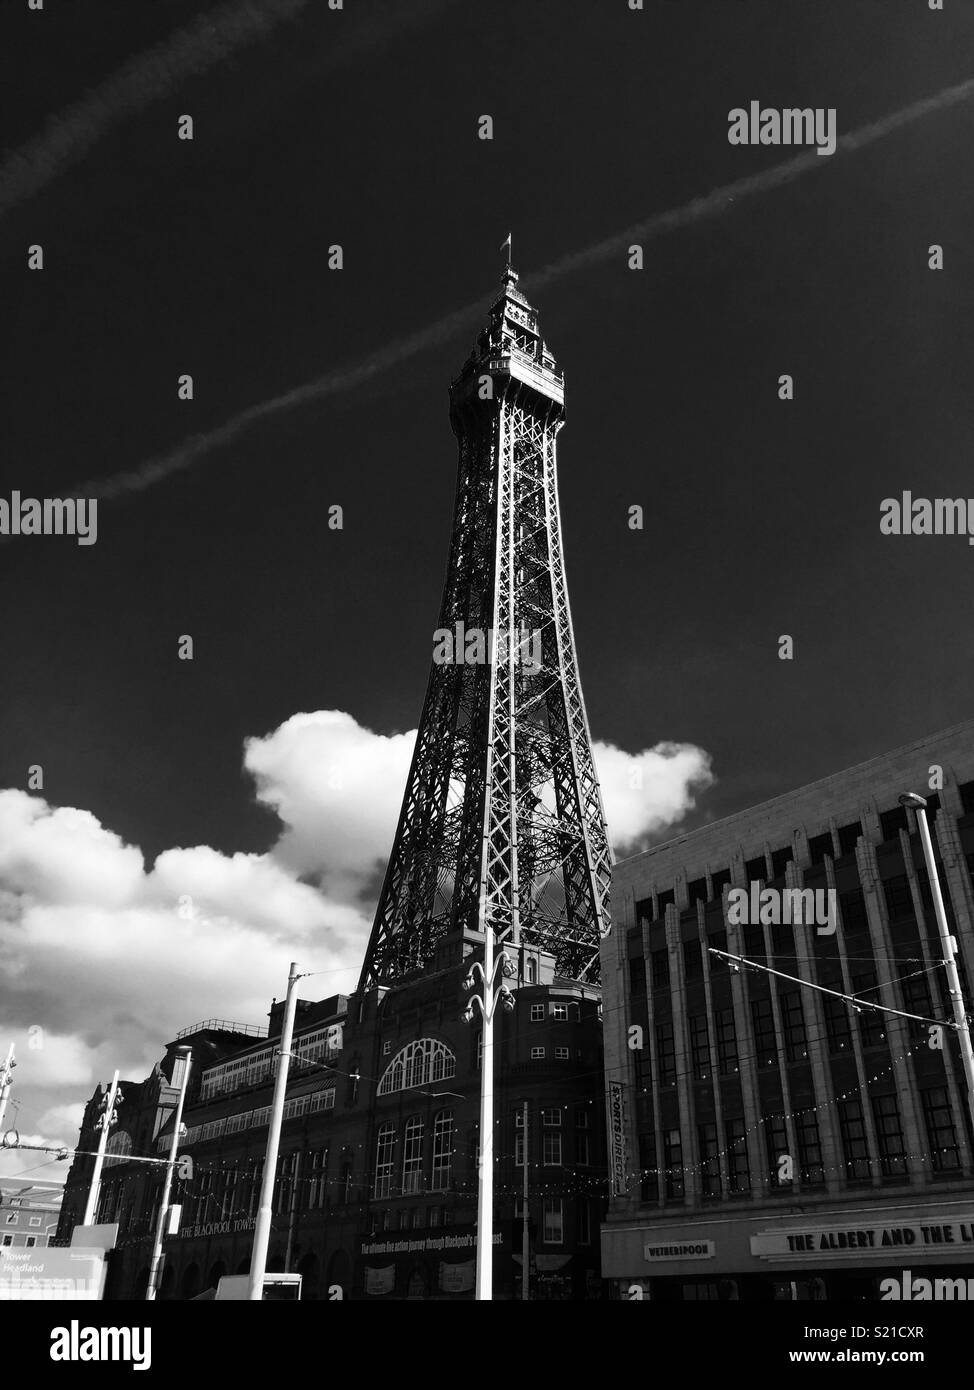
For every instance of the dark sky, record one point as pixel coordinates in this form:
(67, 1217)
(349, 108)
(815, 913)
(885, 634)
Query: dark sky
(360, 127)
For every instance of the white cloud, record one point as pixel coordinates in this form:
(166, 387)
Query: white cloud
(337, 787)
(645, 792)
(102, 961)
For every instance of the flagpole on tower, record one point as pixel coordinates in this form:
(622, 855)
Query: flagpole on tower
(507, 243)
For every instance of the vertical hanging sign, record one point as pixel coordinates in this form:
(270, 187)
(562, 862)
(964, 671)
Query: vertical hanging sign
(617, 1138)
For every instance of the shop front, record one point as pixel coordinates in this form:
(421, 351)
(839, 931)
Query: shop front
(854, 1251)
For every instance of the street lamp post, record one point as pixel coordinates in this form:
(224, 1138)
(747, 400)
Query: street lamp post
(6, 1081)
(262, 1229)
(155, 1267)
(487, 975)
(106, 1122)
(919, 805)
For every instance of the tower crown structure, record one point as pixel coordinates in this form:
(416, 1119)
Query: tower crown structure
(502, 827)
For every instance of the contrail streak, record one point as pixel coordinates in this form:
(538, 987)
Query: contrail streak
(69, 135)
(344, 378)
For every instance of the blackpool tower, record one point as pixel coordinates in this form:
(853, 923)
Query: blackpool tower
(501, 828)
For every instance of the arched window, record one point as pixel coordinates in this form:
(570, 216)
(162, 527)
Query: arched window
(418, 1064)
(442, 1150)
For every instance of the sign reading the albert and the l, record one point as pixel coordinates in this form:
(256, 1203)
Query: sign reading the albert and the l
(827, 1242)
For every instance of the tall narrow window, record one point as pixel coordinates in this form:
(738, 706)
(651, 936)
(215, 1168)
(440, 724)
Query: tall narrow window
(673, 1161)
(941, 1133)
(709, 1162)
(889, 1133)
(699, 1047)
(726, 1041)
(412, 1157)
(442, 1150)
(554, 1221)
(854, 1144)
(765, 1039)
(738, 1175)
(385, 1145)
(666, 1053)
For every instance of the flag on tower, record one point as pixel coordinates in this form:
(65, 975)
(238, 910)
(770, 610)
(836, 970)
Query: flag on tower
(507, 243)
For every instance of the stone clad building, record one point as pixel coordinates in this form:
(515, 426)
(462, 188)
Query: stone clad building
(769, 1140)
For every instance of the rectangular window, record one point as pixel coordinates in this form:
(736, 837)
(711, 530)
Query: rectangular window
(852, 908)
(433, 1220)
(419, 1218)
(941, 1134)
(673, 1162)
(738, 1175)
(756, 870)
(719, 882)
(819, 846)
(256, 1178)
(11, 1218)
(583, 1222)
(551, 1119)
(34, 1221)
(889, 1134)
(8, 1240)
(666, 1053)
(809, 1148)
(699, 1047)
(583, 1152)
(537, 1054)
(697, 891)
(854, 1142)
(537, 1013)
(780, 859)
(554, 1221)
(30, 1241)
(776, 1141)
(892, 822)
(661, 968)
(848, 837)
(386, 1047)
(872, 1026)
(648, 1190)
(562, 1054)
(385, 1145)
(412, 1157)
(717, 940)
(318, 1184)
(899, 899)
(559, 1012)
(551, 1151)
(442, 1151)
(692, 964)
(754, 941)
(709, 1162)
(793, 1023)
(726, 1041)
(765, 1038)
(837, 1020)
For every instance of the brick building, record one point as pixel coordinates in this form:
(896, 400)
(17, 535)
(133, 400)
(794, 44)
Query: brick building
(29, 1212)
(768, 1140)
(377, 1173)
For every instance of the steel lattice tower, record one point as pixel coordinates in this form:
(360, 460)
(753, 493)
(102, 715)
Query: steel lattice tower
(502, 823)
